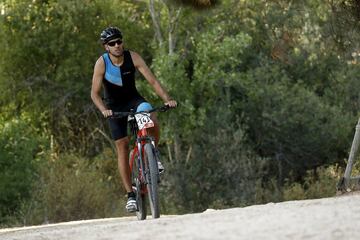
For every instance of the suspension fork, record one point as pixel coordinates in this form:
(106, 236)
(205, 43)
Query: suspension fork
(143, 135)
(140, 160)
(138, 152)
(141, 141)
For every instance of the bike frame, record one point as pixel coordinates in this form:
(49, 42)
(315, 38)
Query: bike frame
(141, 139)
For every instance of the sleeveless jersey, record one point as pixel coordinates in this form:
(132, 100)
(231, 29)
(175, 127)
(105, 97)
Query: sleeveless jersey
(119, 83)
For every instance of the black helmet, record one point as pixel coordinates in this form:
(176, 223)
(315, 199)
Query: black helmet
(109, 34)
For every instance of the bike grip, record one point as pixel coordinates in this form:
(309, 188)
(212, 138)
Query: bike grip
(118, 115)
(164, 108)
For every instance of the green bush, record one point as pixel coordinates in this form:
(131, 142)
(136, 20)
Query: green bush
(290, 124)
(21, 150)
(76, 188)
(319, 184)
(220, 171)
(70, 187)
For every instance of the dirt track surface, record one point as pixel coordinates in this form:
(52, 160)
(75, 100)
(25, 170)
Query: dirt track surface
(328, 218)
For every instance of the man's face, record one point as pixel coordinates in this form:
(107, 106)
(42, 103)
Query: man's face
(115, 47)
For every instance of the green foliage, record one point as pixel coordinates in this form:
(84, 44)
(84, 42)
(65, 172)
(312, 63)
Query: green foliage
(171, 72)
(285, 104)
(59, 46)
(268, 94)
(218, 59)
(22, 147)
(74, 188)
(197, 4)
(317, 184)
(221, 169)
(283, 118)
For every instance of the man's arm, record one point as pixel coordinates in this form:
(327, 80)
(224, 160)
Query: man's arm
(98, 75)
(149, 76)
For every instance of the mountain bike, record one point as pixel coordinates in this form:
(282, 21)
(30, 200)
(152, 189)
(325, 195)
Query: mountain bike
(143, 161)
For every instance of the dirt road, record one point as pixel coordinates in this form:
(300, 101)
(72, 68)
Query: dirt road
(328, 218)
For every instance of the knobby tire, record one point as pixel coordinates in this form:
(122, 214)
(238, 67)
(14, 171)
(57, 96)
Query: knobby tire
(153, 179)
(140, 197)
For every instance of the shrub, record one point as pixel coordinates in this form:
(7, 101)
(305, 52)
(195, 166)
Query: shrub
(75, 188)
(319, 184)
(21, 150)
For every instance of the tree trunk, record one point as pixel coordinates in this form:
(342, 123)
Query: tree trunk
(156, 21)
(174, 16)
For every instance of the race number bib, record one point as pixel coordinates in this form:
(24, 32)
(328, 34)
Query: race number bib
(144, 121)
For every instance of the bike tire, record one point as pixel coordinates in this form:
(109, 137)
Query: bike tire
(141, 202)
(152, 180)
(140, 196)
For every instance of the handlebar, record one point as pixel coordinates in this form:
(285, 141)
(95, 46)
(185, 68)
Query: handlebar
(132, 113)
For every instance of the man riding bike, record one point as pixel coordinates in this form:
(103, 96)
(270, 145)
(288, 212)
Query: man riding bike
(115, 71)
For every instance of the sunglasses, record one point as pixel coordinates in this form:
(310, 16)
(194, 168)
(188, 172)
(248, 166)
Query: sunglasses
(118, 42)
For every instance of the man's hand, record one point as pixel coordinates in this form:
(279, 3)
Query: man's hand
(171, 103)
(107, 113)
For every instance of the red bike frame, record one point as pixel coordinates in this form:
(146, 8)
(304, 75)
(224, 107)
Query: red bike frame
(141, 139)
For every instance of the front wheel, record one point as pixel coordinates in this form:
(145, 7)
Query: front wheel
(152, 180)
(141, 201)
(137, 175)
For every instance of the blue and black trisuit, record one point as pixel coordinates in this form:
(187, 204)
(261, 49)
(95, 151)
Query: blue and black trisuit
(120, 93)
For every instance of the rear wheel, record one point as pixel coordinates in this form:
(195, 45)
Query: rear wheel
(139, 185)
(152, 180)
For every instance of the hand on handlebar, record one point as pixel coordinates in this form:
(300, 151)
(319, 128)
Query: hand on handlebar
(107, 113)
(171, 103)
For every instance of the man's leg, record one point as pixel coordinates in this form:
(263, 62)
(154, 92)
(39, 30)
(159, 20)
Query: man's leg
(122, 148)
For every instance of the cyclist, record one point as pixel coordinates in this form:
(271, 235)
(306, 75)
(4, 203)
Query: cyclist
(115, 71)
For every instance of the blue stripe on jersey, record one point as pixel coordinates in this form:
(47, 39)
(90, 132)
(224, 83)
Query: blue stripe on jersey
(112, 73)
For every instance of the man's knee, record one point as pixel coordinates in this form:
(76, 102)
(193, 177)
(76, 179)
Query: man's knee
(122, 144)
